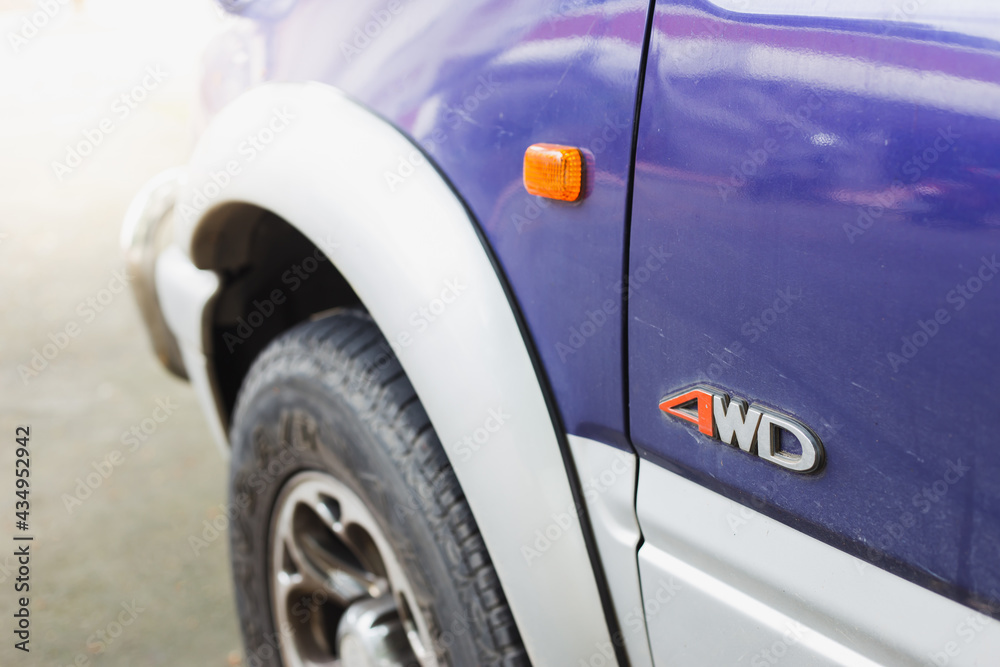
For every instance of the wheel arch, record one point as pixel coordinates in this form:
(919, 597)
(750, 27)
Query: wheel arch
(408, 252)
(258, 258)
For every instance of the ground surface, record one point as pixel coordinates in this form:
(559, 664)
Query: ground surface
(127, 541)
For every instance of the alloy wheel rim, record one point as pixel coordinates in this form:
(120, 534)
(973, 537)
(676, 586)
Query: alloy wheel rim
(339, 596)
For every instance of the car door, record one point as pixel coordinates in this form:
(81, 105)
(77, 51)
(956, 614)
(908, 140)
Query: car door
(823, 180)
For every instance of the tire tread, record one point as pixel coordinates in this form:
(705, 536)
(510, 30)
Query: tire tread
(342, 348)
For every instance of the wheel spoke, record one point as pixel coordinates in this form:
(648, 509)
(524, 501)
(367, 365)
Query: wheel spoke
(288, 581)
(342, 579)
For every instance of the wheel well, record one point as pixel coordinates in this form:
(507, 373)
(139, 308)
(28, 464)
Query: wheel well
(271, 277)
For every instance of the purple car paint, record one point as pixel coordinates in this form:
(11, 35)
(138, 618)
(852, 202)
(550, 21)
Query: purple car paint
(475, 85)
(828, 191)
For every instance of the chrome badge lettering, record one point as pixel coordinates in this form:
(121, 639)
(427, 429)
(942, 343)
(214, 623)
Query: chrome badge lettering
(754, 429)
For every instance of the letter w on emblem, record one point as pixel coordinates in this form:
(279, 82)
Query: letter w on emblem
(734, 420)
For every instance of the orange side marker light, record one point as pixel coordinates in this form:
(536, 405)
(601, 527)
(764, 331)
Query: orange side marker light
(553, 171)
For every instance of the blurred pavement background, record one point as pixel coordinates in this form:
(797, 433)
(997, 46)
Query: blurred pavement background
(125, 545)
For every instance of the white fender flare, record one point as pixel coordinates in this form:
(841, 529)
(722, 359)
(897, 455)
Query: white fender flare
(403, 247)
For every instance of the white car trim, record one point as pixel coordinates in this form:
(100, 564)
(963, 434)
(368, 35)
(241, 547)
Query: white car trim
(405, 246)
(608, 477)
(750, 590)
(184, 291)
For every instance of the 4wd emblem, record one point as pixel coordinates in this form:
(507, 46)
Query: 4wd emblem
(753, 429)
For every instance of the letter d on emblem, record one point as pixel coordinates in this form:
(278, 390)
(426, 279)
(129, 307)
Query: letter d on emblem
(768, 438)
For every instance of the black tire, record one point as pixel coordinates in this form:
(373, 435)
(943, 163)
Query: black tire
(330, 396)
